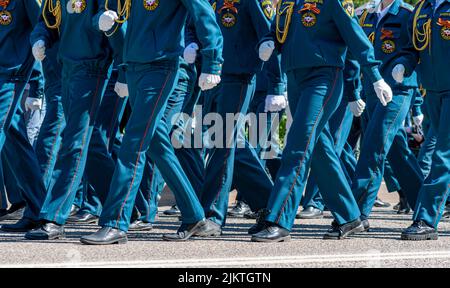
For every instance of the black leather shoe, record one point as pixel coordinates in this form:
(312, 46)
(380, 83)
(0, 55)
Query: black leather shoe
(212, 229)
(404, 207)
(380, 204)
(82, 218)
(338, 232)
(22, 226)
(396, 206)
(74, 210)
(261, 222)
(250, 215)
(310, 213)
(3, 212)
(173, 211)
(139, 225)
(187, 231)
(419, 231)
(47, 231)
(15, 212)
(105, 236)
(366, 225)
(273, 233)
(239, 210)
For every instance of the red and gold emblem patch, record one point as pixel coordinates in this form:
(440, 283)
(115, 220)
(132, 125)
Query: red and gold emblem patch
(228, 20)
(151, 5)
(309, 19)
(78, 6)
(5, 18)
(388, 46)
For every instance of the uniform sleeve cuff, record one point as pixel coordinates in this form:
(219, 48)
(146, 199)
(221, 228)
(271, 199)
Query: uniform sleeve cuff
(211, 67)
(373, 74)
(277, 89)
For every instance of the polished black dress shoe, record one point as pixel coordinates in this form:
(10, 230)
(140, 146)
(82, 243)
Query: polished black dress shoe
(251, 215)
(381, 204)
(173, 211)
(338, 232)
(15, 212)
(139, 225)
(212, 229)
(239, 210)
(3, 212)
(82, 218)
(271, 234)
(22, 226)
(47, 231)
(419, 231)
(74, 210)
(366, 225)
(186, 231)
(404, 207)
(261, 222)
(310, 213)
(105, 236)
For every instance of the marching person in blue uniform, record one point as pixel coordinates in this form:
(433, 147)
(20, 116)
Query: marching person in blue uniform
(340, 125)
(427, 52)
(153, 44)
(85, 71)
(17, 19)
(315, 87)
(243, 23)
(385, 137)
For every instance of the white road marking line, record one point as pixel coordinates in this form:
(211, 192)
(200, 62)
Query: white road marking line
(249, 261)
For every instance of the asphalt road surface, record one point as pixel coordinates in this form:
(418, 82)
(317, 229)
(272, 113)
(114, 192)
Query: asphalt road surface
(379, 248)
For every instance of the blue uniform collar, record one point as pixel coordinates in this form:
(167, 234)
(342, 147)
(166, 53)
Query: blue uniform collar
(395, 8)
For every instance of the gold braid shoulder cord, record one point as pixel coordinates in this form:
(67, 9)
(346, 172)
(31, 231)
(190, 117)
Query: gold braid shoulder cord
(422, 37)
(282, 34)
(122, 11)
(362, 21)
(55, 10)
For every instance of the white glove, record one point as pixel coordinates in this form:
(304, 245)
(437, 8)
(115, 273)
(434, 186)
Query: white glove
(384, 92)
(275, 103)
(107, 20)
(39, 50)
(190, 53)
(357, 107)
(208, 81)
(418, 120)
(121, 89)
(33, 104)
(398, 73)
(266, 50)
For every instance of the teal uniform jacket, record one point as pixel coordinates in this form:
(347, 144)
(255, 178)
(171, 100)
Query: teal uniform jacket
(244, 23)
(352, 79)
(158, 33)
(389, 36)
(80, 39)
(16, 23)
(434, 59)
(329, 29)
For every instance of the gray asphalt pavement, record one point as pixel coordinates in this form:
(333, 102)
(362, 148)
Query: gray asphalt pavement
(380, 247)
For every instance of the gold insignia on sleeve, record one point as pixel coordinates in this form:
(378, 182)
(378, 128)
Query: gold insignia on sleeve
(349, 7)
(151, 5)
(214, 6)
(388, 46)
(78, 6)
(5, 18)
(268, 8)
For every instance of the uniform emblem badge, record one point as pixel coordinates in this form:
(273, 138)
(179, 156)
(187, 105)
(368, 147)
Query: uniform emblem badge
(268, 8)
(388, 46)
(309, 19)
(5, 18)
(228, 20)
(151, 5)
(78, 6)
(349, 7)
(445, 33)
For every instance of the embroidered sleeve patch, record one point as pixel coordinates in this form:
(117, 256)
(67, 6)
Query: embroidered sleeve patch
(349, 7)
(268, 8)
